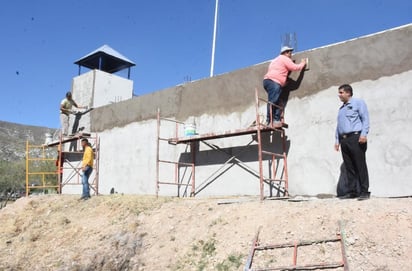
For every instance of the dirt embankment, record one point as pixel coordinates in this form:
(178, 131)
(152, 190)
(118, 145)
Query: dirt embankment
(144, 233)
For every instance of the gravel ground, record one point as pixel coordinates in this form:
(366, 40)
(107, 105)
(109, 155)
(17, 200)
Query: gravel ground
(117, 232)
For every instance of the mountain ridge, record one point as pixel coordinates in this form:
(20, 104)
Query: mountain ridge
(13, 138)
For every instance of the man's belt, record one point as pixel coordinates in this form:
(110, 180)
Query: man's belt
(349, 134)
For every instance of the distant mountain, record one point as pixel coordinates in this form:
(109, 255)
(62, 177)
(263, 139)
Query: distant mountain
(13, 138)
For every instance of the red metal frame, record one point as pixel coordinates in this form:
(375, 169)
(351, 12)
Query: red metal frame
(324, 265)
(258, 129)
(60, 163)
(274, 156)
(160, 161)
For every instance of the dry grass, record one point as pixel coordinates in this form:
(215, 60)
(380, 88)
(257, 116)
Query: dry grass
(120, 232)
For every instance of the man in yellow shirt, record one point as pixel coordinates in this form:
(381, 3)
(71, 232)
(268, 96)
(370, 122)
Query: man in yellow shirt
(87, 167)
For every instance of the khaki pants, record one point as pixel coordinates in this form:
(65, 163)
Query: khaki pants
(64, 121)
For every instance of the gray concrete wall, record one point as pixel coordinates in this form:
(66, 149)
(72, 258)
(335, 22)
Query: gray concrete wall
(95, 89)
(378, 66)
(72, 174)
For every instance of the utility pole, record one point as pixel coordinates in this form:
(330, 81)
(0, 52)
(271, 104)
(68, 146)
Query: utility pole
(214, 41)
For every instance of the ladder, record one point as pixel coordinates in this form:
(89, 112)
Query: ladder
(278, 173)
(181, 182)
(256, 246)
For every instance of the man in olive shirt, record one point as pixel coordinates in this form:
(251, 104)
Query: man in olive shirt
(87, 167)
(65, 110)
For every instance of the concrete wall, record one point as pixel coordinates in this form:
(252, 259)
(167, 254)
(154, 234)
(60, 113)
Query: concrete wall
(95, 89)
(72, 179)
(110, 88)
(379, 68)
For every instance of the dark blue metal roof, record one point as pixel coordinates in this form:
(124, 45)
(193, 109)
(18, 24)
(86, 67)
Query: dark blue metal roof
(105, 59)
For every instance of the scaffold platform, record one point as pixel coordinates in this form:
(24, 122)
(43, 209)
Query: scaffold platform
(256, 129)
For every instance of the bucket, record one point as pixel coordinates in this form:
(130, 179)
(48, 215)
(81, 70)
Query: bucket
(49, 138)
(190, 129)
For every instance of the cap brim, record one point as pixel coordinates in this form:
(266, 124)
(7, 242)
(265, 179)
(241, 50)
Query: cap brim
(285, 49)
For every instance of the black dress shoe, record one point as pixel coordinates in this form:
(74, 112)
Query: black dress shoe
(348, 196)
(364, 196)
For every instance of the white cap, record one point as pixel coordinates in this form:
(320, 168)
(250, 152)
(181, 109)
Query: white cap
(285, 48)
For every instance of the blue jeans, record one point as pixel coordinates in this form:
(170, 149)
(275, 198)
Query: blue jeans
(85, 181)
(273, 90)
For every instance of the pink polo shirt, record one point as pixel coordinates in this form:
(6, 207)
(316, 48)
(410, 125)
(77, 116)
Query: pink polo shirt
(279, 68)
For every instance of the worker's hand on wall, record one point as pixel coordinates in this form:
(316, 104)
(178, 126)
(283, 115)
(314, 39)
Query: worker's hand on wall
(303, 61)
(336, 147)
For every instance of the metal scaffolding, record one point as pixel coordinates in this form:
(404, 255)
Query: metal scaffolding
(40, 173)
(67, 164)
(178, 181)
(339, 240)
(277, 179)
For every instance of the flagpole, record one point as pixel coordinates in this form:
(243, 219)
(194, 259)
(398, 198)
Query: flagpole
(214, 41)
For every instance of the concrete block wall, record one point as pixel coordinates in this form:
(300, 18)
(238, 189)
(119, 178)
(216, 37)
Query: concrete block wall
(72, 179)
(98, 88)
(93, 89)
(379, 68)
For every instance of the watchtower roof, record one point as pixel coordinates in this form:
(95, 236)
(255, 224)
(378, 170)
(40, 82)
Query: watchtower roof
(105, 59)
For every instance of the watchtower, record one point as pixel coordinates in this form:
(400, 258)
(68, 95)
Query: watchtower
(101, 84)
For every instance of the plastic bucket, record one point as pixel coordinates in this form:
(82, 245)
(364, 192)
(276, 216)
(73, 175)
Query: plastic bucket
(190, 129)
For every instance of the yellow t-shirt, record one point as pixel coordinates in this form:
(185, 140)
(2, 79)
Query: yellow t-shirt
(88, 157)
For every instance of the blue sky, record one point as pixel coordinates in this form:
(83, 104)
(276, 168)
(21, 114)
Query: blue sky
(169, 40)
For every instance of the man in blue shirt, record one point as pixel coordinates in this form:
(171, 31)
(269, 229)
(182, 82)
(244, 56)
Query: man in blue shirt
(351, 135)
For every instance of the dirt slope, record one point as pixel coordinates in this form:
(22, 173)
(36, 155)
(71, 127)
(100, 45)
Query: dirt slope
(144, 233)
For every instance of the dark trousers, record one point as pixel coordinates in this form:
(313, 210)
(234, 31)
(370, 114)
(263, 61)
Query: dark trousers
(354, 159)
(273, 90)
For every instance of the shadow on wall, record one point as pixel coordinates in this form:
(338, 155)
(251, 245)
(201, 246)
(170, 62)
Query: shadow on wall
(291, 85)
(223, 159)
(76, 129)
(226, 158)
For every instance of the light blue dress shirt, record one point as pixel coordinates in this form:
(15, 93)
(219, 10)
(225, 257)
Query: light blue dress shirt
(353, 117)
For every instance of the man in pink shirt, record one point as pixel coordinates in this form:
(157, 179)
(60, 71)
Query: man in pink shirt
(275, 79)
